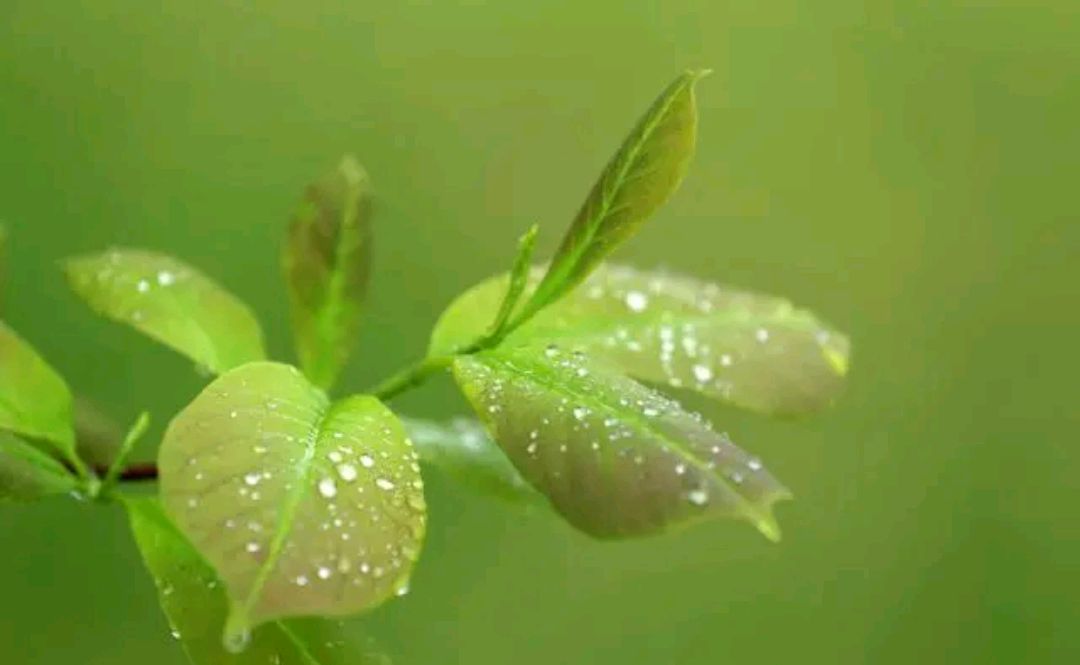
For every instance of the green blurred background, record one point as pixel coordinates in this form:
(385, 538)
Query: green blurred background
(906, 169)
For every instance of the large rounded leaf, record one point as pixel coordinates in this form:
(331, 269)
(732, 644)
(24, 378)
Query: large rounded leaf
(755, 351)
(171, 302)
(302, 506)
(615, 458)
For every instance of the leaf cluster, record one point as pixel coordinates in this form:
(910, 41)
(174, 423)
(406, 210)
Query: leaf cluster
(282, 508)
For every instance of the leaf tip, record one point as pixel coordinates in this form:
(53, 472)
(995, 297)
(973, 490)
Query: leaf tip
(696, 75)
(351, 170)
(237, 633)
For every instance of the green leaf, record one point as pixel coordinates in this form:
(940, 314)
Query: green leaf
(519, 278)
(304, 507)
(195, 604)
(171, 302)
(34, 400)
(134, 433)
(755, 351)
(643, 174)
(26, 473)
(326, 259)
(615, 458)
(462, 449)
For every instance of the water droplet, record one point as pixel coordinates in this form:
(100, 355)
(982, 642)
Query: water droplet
(637, 301)
(142, 286)
(323, 572)
(237, 635)
(726, 360)
(367, 461)
(702, 373)
(253, 478)
(252, 547)
(551, 351)
(531, 448)
(334, 456)
(166, 278)
(650, 412)
(680, 469)
(754, 464)
(384, 484)
(580, 412)
(328, 488)
(762, 335)
(347, 472)
(175, 634)
(232, 414)
(698, 497)
(301, 580)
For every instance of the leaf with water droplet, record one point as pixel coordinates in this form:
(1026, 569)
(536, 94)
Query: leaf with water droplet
(171, 302)
(462, 449)
(614, 457)
(26, 473)
(326, 259)
(195, 604)
(755, 351)
(303, 506)
(34, 400)
(643, 174)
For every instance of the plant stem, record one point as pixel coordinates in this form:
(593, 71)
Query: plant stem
(410, 377)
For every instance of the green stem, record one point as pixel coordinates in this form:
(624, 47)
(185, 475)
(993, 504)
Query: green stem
(410, 377)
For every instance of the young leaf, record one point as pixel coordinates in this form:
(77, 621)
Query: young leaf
(615, 458)
(171, 302)
(302, 506)
(134, 433)
(196, 606)
(519, 278)
(326, 259)
(754, 351)
(34, 400)
(26, 473)
(462, 449)
(643, 174)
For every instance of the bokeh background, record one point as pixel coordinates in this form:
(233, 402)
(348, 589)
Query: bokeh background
(906, 169)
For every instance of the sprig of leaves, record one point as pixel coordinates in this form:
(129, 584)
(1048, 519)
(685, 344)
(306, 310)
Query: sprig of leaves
(278, 501)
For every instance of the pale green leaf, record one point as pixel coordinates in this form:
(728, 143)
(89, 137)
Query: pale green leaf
(614, 458)
(303, 506)
(326, 259)
(26, 473)
(643, 174)
(462, 449)
(34, 400)
(196, 606)
(171, 302)
(755, 351)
